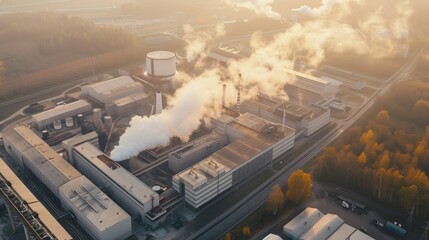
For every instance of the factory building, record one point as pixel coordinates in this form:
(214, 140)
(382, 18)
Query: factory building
(41, 224)
(302, 223)
(60, 112)
(68, 144)
(128, 191)
(160, 65)
(255, 143)
(193, 152)
(127, 104)
(323, 228)
(106, 92)
(326, 88)
(301, 118)
(311, 224)
(97, 213)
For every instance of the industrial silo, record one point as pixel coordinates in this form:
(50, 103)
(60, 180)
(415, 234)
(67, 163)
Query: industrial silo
(161, 65)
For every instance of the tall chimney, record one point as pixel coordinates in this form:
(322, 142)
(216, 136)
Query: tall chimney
(108, 123)
(223, 95)
(158, 102)
(97, 119)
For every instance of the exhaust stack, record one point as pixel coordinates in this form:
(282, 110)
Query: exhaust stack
(97, 119)
(158, 102)
(223, 95)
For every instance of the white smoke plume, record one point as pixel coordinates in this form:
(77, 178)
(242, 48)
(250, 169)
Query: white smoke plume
(324, 9)
(260, 7)
(196, 98)
(196, 41)
(264, 72)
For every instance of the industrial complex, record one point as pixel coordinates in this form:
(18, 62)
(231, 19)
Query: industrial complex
(66, 146)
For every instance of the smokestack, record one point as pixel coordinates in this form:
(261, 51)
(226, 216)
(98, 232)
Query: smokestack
(223, 95)
(238, 93)
(97, 119)
(158, 102)
(108, 123)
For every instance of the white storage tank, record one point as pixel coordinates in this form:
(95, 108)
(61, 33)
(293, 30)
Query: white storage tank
(57, 125)
(69, 122)
(161, 65)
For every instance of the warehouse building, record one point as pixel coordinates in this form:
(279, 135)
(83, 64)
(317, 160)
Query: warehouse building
(95, 211)
(311, 224)
(43, 224)
(302, 223)
(127, 104)
(128, 191)
(325, 88)
(43, 119)
(193, 152)
(106, 92)
(255, 143)
(301, 118)
(323, 228)
(68, 144)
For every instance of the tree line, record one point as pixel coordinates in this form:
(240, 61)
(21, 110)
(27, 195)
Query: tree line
(388, 157)
(55, 33)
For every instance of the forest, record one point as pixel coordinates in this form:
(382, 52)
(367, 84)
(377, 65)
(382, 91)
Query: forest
(386, 156)
(56, 33)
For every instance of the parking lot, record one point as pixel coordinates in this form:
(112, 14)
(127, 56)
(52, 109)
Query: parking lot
(327, 202)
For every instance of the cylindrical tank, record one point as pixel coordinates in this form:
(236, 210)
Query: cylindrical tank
(69, 122)
(161, 65)
(108, 123)
(57, 125)
(158, 102)
(97, 119)
(80, 119)
(45, 134)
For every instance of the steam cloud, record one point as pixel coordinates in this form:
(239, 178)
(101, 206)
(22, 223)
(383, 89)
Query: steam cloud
(264, 72)
(196, 41)
(260, 7)
(324, 9)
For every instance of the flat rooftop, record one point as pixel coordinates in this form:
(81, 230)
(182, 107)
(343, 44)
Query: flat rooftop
(308, 77)
(253, 126)
(25, 194)
(62, 109)
(41, 154)
(104, 86)
(96, 207)
(123, 178)
(196, 145)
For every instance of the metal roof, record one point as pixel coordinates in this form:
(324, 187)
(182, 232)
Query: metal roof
(324, 228)
(47, 161)
(272, 237)
(358, 235)
(161, 55)
(89, 201)
(62, 109)
(25, 194)
(308, 77)
(123, 178)
(303, 222)
(343, 232)
(103, 86)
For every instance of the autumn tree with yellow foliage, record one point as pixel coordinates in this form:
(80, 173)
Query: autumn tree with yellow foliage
(299, 187)
(387, 157)
(276, 200)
